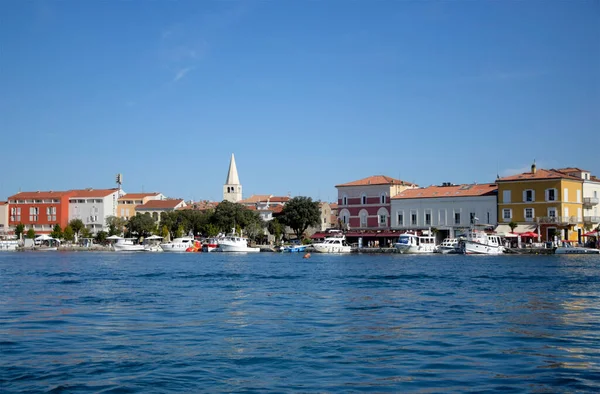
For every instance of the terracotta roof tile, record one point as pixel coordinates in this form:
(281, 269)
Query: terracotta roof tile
(538, 175)
(376, 180)
(160, 204)
(3, 202)
(137, 196)
(39, 195)
(93, 192)
(474, 190)
(200, 206)
(264, 198)
(570, 169)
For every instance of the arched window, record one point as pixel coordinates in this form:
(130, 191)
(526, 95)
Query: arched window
(363, 218)
(383, 198)
(345, 200)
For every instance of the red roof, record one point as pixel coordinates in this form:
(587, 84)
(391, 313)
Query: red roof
(39, 195)
(200, 206)
(160, 204)
(93, 192)
(538, 175)
(264, 198)
(376, 180)
(3, 202)
(484, 189)
(138, 196)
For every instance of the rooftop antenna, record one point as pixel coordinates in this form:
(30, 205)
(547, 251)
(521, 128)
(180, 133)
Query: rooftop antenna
(119, 180)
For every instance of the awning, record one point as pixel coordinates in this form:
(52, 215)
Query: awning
(504, 229)
(319, 235)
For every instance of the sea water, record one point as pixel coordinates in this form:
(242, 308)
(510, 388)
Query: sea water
(269, 322)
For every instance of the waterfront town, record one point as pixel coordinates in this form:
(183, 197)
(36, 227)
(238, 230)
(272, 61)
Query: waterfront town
(538, 206)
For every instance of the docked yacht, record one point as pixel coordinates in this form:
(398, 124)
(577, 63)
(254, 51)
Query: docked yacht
(335, 244)
(413, 243)
(235, 243)
(8, 245)
(179, 245)
(448, 246)
(210, 245)
(479, 242)
(567, 248)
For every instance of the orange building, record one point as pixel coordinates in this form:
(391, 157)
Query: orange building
(39, 210)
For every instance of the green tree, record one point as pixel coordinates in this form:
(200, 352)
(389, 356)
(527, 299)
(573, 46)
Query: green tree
(179, 232)
(68, 233)
(164, 232)
(229, 215)
(56, 232)
(30, 233)
(86, 233)
(19, 230)
(101, 237)
(76, 225)
(115, 225)
(142, 225)
(275, 229)
(513, 226)
(300, 213)
(210, 230)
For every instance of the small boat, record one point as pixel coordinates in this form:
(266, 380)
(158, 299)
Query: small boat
(180, 245)
(335, 244)
(293, 248)
(448, 246)
(152, 244)
(235, 243)
(8, 245)
(210, 245)
(480, 242)
(413, 243)
(567, 248)
(126, 244)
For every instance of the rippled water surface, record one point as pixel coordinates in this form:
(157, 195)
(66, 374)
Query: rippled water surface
(104, 322)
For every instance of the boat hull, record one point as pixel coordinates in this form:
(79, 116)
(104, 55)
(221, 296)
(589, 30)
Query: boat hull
(128, 248)
(8, 246)
(576, 250)
(237, 249)
(332, 248)
(479, 248)
(414, 249)
(294, 249)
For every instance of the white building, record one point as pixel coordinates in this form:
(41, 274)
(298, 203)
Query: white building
(3, 217)
(92, 206)
(450, 209)
(591, 195)
(232, 190)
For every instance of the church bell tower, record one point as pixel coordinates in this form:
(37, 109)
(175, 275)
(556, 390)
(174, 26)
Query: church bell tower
(232, 190)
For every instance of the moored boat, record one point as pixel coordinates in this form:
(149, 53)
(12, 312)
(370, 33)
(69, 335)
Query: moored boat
(235, 243)
(480, 242)
(293, 248)
(179, 245)
(567, 248)
(448, 246)
(413, 243)
(335, 244)
(126, 244)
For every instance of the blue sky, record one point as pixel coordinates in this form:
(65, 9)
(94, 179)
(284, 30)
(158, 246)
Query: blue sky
(307, 94)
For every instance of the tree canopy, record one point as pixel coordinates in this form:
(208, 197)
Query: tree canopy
(142, 225)
(31, 233)
(300, 213)
(115, 225)
(19, 230)
(76, 225)
(56, 232)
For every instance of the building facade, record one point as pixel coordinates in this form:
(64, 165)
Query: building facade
(232, 189)
(4, 217)
(156, 207)
(39, 210)
(366, 203)
(549, 201)
(93, 206)
(449, 209)
(591, 196)
(127, 203)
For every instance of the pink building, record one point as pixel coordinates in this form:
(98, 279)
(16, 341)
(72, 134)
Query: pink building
(365, 204)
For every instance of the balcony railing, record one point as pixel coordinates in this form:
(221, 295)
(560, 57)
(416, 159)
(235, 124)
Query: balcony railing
(558, 219)
(591, 219)
(590, 201)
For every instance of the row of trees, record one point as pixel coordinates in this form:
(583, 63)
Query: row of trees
(298, 214)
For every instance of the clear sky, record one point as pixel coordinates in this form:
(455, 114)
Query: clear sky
(306, 94)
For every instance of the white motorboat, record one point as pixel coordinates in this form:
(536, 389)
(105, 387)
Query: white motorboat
(152, 244)
(480, 242)
(179, 245)
(234, 243)
(210, 245)
(413, 243)
(8, 245)
(126, 244)
(448, 246)
(567, 248)
(336, 244)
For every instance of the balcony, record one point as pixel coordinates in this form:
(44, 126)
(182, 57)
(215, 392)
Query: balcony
(562, 220)
(590, 201)
(591, 219)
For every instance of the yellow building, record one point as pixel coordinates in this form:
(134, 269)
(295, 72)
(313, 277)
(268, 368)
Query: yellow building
(548, 202)
(126, 204)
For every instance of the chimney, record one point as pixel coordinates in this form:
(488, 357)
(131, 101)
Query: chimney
(533, 168)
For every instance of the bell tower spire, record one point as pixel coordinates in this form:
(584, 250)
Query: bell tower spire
(232, 190)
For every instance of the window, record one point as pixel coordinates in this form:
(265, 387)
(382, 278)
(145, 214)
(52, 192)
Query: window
(529, 195)
(413, 219)
(364, 199)
(552, 212)
(400, 219)
(344, 200)
(127, 212)
(529, 214)
(382, 220)
(551, 195)
(122, 212)
(428, 218)
(566, 195)
(472, 217)
(456, 217)
(506, 214)
(383, 198)
(363, 218)
(566, 211)
(578, 195)
(506, 196)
